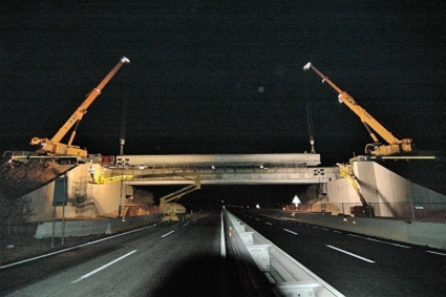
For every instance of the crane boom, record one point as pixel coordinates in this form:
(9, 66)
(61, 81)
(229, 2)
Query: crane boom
(53, 146)
(393, 146)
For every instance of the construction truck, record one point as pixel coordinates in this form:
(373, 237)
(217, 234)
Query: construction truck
(394, 145)
(346, 171)
(53, 146)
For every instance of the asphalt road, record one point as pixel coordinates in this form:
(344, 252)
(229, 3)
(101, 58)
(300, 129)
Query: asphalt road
(181, 259)
(184, 259)
(357, 265)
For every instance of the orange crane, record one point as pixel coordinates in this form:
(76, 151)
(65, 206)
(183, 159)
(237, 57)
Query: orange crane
(53, 146)
(394, 145)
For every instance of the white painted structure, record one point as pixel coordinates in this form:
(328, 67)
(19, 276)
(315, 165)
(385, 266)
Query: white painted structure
(85, 200)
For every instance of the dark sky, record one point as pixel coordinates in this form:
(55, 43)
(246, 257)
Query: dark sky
(197, 69)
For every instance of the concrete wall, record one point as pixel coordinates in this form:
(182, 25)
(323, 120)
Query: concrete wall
(84, 199)
(385, 190)
(89, 227)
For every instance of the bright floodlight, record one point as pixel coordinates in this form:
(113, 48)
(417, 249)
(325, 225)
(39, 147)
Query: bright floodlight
(307, 66)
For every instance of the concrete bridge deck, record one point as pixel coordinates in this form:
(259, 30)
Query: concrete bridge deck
(223, 169)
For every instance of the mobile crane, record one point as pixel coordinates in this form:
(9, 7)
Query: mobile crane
(53, 146)
(394, 145)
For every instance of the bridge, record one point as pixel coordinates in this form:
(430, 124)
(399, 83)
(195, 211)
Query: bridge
(222, 169)
(298, 234)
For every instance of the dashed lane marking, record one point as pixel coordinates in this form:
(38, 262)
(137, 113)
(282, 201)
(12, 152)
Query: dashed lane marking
(350, 254)
(290, 231)
(162, 236)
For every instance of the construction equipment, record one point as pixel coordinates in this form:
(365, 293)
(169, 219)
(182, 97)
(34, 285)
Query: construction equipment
(394, 145)
(173, 211)
(53, 146)
(346, 171)
(99, 179)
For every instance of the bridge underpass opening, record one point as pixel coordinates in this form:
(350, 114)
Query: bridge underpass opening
(214, 196)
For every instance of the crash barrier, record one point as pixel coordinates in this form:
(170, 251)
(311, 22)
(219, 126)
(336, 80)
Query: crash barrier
(287, 276)
(431, 212)
(419, 233)
(97, 226)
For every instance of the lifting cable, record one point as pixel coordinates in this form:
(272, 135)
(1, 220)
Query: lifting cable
(309, 116)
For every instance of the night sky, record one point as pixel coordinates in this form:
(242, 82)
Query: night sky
(223, 76)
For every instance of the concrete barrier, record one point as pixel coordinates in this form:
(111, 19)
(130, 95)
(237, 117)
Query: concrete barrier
(72, 228)
(419, 233)
(119, 225)
(90, 227)
(430, 234)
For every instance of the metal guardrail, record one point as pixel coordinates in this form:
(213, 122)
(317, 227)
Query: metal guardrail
(288, 277)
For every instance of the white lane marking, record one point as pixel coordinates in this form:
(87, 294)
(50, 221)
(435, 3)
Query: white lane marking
(185, 224)
(381, 241)
(351, 254)
(167, 234)
(337, 231)
(436, 253)
(290, 231)
(325, 229)
(315, 227)
(102, 267)
(257, 219)
(222, 238)
(268, 223)
(71, 248)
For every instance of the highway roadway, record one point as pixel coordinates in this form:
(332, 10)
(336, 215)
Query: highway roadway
(188, 259)
(354, 264)
(171, 259)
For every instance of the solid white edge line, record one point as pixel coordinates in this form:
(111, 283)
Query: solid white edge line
(268, 223)
(222, 238)
(337, 231)
(351, 254)
(167, 234)
(436, 253)
(390, 243)
(71, 248)
(381, 241)
(290, 231)
(103, 267)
